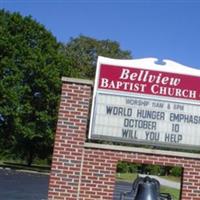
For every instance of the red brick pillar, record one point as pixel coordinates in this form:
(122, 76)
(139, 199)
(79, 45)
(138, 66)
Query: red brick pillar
(70, 137)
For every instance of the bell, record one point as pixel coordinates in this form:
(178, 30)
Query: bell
(148, 189)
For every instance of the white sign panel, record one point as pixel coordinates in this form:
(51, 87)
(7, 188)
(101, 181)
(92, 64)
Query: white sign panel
(134, 104)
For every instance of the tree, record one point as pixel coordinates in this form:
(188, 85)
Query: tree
(31, 63)
(83, 52)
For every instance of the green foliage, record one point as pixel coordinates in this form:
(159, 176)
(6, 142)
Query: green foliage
(126, 167)
(162, 171)
(83, 52)
(30, 69)
(133, 168)
(176, 171)
(31, 65)
(122, 167)
(153, 169)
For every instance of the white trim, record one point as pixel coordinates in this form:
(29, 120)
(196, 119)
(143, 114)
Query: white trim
(150, 64)
(77, 80)
(141, 150)
(94, 96)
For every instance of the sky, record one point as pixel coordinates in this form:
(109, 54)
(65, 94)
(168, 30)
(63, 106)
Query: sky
(164, 29)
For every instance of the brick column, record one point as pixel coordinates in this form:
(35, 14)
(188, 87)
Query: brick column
(70, 137)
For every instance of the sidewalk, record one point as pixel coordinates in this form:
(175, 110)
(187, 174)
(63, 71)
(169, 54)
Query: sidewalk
(163, 181)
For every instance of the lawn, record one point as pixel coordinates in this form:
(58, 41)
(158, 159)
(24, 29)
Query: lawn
(18, 166)
(175, 193)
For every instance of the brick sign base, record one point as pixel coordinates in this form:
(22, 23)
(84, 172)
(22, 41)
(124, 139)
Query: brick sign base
(86, 171)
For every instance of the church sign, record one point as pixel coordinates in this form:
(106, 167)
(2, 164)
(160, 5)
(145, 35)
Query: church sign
(141, 102)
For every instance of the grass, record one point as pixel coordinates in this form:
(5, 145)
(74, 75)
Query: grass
(20, 166)
(131, 176)
(126, 176)
(175, 193)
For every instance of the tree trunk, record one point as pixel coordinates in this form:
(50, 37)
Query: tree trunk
(29, 159)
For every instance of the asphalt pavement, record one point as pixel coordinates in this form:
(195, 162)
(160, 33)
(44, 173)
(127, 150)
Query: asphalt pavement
(16, 185)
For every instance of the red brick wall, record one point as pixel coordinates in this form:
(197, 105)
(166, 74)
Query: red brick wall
(83, 172)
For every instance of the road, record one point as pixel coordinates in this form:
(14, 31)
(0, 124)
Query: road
(22, 186)
(164, 182)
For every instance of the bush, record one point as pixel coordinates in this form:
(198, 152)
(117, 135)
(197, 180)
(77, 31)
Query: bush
(122, 167)
(155, 169)
(176, 171)
(133, 168)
